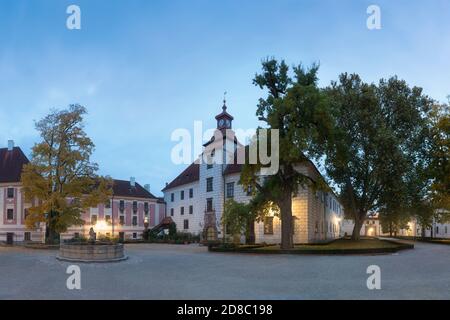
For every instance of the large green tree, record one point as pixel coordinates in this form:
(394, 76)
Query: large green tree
(376, 154)
(295, 107)
(440, 156)
(61, 180)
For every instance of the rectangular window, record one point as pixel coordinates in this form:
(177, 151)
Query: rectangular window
(108, 204)
(10, 193)
(134, 235)
(209, 184)
(135, 207)
(108, 219)
(182, 210)
(93, 219)
(186, 224)
(191, 209)
(135, 221)
(27, 236)
(171, 212)
(121, 220)
(209, 205)
(182, 194)
(445, 229)
(172, 197)
(230, 190)
(146, 207)
(121, 205)
(191, 193)
(268, 225)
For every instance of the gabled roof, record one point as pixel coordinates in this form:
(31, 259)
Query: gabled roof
(11, 163)
(190, 174)
(123, 188)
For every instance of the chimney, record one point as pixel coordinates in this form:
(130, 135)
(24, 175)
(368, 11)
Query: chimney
(147, 187)
(10, 145)
(133, 182)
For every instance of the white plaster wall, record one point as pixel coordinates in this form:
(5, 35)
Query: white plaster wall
(194, 219)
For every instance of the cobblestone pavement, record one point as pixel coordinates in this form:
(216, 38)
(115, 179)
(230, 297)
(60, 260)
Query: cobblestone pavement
(159, 271)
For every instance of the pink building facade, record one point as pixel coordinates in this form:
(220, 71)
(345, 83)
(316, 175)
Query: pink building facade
(125, 215)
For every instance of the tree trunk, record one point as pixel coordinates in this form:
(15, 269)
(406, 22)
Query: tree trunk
(250, 232)
(50, 234)
(286, 221)
(357, 228)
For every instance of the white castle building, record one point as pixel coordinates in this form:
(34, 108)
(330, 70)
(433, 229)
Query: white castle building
(195, 199)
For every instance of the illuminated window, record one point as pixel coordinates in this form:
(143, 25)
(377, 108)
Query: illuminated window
(268, 225)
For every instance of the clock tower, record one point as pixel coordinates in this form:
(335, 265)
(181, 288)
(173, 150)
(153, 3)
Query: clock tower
(224, 119)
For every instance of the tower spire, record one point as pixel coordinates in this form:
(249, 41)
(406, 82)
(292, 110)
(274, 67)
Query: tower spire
(224, 107)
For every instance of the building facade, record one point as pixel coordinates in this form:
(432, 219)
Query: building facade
(372, 228)
(196, 198)
(125, 215)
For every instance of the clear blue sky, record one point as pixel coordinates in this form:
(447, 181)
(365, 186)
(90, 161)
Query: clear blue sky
(145, 68)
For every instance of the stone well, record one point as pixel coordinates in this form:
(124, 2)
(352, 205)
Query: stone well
(88, 252)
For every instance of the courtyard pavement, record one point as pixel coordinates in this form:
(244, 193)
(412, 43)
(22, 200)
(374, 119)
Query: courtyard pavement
(160, 271)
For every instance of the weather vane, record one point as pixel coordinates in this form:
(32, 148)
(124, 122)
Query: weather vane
(224, 100)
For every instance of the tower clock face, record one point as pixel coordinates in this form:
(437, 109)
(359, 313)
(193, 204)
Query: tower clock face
(221, 122)
(228, 123)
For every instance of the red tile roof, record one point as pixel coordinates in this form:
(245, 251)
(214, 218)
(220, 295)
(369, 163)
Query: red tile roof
(11, 163)
(190, 174)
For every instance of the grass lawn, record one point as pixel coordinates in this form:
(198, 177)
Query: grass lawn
(341, 246)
